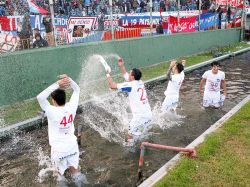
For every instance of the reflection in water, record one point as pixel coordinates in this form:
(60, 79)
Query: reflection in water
(24, 159)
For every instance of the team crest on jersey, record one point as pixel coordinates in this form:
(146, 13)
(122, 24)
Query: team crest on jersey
(218, 80)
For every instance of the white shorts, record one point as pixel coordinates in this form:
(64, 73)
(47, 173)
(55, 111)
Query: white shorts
(213, 99)
(139, 125)
(62, 160)
(169, 103)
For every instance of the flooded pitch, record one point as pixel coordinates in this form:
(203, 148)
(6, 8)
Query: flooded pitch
(24, 159)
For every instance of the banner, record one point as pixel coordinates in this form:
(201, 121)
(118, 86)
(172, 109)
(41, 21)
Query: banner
(9, 41)
(186, 24)
(138, 21)
(8, 23)
(107, 24)
(79, 28)
(232, 3)
(61, 22)
(207, 20)
(34, 8)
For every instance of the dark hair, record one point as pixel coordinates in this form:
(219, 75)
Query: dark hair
(136, 73)
(215, 64)
(38, 35)
(180, 67)
(59, 96)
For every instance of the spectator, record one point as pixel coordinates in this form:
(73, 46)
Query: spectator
(35, 31)
(2, 11)
(159, 28)
(228, 14)
(40, 42)
(25, 32)
(219, 11)
(48, 29)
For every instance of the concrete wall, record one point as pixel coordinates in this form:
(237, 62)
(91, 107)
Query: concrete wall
(24, 74)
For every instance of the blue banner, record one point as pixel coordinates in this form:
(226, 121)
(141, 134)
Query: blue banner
(207, 20)
(138, 21)
(36, 21)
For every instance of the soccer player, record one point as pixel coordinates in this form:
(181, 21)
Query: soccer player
(213, 78)
(63, 142)
(175, 76)
(142, 115)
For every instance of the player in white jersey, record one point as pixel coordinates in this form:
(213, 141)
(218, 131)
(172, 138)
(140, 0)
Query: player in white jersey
(142, 115)
(175, 76)
(63, 142)
(213, 78)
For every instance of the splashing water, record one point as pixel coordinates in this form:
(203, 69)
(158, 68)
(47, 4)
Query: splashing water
(165, 120)
(92, 78)
(2, 123)
(44, 161)
(109, 118)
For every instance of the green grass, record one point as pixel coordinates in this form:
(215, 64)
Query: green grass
(223, 159)
(28, 109)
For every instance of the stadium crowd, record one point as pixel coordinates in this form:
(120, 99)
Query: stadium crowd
(98, 7)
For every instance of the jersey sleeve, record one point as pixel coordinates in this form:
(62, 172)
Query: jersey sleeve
(222, 76)
(204, 76)
(42, 97)
(124, 87)
(73, 102)
(126, 76)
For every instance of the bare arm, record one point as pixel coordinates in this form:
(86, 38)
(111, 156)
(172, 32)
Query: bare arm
(111, 83)
(169, 72)
(121, 66)
(202, 83)
(224, 86)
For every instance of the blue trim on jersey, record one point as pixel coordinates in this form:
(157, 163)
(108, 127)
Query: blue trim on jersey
(126, 89)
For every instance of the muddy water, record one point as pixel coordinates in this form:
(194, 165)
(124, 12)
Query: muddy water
(107, 163)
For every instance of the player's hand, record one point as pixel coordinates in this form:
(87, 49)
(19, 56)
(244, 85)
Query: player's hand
(64, 82)
(120, 62)
(173, 63)
(183, 62)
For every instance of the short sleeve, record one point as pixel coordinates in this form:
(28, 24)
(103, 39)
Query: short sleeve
(204, 76)
(222, 76)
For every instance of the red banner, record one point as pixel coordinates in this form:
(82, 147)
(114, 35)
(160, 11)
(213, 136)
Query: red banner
(186, 24)
(7, 23)
(233, 3)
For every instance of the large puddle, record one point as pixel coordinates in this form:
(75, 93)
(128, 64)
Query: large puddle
(104, 161)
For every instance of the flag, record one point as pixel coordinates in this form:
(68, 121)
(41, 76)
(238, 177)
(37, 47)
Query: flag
(34, 8)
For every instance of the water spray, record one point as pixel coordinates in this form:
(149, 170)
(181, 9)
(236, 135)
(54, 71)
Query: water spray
(104, 63)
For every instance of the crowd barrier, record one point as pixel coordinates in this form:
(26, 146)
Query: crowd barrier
(120, 34)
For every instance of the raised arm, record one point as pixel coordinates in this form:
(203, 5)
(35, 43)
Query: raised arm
(74, 100)
(42, 97)
(122, 67)
(111, 83)
(169, 72)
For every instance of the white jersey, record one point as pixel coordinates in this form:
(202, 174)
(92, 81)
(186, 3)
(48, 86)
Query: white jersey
(174, 85)
(60, 119)
(137, 97)
(213, 81)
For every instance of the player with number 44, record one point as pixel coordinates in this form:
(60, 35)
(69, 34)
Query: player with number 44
(142, 115)
(63, 142)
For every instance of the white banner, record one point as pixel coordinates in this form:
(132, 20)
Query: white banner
(79, 28)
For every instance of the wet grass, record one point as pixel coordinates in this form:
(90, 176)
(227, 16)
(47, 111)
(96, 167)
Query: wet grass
(223, 159)
(29, 109)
